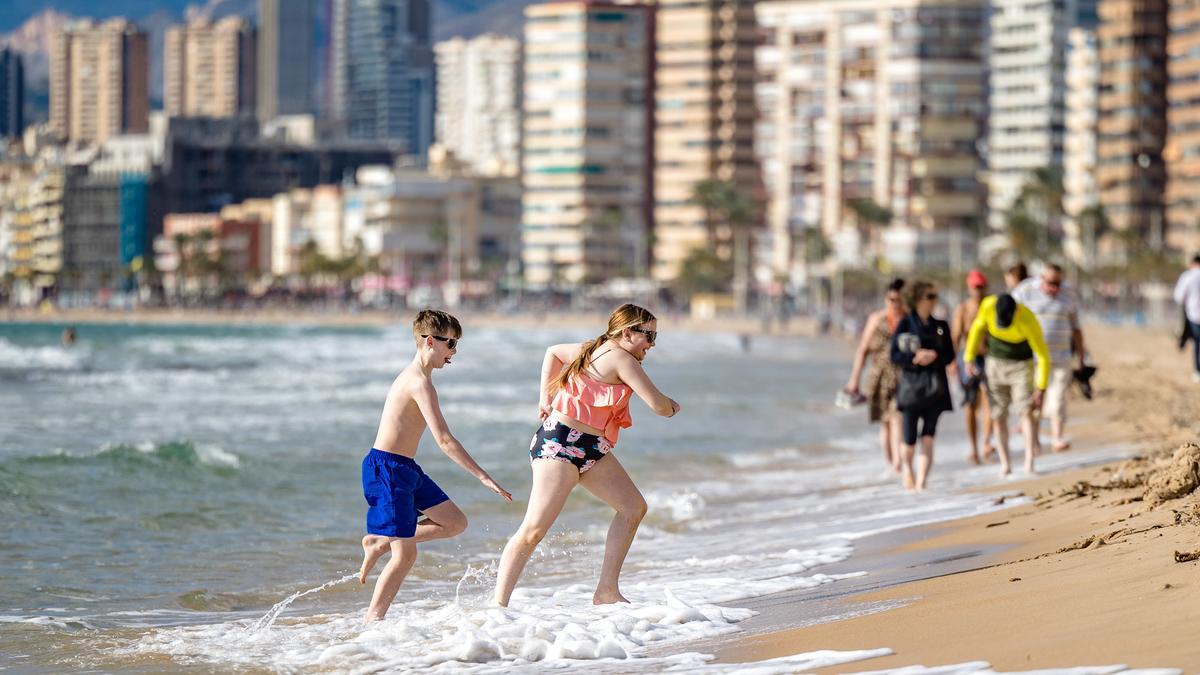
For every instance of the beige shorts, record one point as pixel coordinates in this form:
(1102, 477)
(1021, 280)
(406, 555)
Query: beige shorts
(1054, 407)
(1009, 385)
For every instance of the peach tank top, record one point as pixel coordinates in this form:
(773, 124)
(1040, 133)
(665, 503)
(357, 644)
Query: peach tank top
(596, 404)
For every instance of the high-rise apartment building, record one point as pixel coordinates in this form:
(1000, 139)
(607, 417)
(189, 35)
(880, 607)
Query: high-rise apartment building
(1183, 127)
(12, 93)
(871, 114)
(99, 80)
(1079, 146)
(382, 72)
(704, 120)
(478, 102)
(587, 141)
(285, 58)
(1132, 124)
(1027, 107)
(209, 68)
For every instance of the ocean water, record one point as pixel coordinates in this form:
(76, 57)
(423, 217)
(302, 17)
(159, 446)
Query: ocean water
(183, 497)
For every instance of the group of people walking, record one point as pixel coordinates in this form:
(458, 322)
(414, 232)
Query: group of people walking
(1012, 354)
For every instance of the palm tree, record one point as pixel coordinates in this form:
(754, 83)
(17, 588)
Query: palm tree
(1037, 212)
(723, 204)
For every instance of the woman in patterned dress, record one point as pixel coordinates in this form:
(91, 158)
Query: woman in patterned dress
(881, 382)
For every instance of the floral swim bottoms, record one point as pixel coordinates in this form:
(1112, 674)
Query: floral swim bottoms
(555, 440)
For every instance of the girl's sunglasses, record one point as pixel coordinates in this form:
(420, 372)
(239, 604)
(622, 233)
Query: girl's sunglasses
(651, 335)
(452, 343)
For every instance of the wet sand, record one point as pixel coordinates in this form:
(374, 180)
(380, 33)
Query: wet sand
(1095, 570)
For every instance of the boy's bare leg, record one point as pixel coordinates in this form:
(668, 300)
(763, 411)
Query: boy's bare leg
(404, 554)
(441, 522)
(608, 480)
(552, 484)
(374, 546)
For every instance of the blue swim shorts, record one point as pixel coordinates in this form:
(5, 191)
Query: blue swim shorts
(396, 490)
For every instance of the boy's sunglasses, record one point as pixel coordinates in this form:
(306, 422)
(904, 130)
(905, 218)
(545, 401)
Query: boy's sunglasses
(651, 335)
(452, 343)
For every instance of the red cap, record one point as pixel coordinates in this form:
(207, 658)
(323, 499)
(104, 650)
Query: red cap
(975, 279)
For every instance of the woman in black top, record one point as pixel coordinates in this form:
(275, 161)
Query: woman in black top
(922, 348)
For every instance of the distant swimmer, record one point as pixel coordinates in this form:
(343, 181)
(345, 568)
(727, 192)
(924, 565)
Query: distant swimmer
(395, 487)
(974, 386)
(584, 403)
(922, 349)
(881, 382)
(1013, 338)
(68, 336)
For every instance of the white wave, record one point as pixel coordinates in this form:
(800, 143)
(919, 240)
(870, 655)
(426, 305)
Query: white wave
(17, 357)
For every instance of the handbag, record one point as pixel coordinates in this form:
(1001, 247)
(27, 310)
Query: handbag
(918, 389)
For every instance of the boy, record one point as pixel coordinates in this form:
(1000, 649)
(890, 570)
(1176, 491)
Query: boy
(395, 488)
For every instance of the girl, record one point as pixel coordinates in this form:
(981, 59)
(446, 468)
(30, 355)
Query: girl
(583, 404)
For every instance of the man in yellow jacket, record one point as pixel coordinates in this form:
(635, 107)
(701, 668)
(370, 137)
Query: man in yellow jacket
(1014, 338)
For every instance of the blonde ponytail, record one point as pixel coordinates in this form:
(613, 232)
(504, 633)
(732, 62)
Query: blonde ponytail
(625, 316)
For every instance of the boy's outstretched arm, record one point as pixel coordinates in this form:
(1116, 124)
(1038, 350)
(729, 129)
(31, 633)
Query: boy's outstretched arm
(427, 400)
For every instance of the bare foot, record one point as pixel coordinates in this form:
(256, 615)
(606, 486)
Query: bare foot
(374, 546)
(608, 598)
(974, 459)
(1060, 446)
(989, 453)
(909, 483)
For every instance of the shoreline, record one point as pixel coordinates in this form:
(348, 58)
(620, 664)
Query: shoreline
(1084, 574)
(798, 326)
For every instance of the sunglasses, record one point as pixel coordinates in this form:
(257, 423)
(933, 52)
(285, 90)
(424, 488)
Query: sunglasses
(452, 343)
(1052, 284)
(651, 335)
(931, 296)
(893, 298)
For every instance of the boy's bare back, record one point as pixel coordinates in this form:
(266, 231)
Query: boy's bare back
(402, 423)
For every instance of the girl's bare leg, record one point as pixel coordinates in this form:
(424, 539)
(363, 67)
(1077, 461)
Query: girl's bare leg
(552, 484)
(608, 480)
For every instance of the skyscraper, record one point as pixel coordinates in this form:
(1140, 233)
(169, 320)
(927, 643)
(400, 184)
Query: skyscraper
(871, 111)
(1079, 146)
(479, 109)
(382, 72)
(285, 58)
(1183, 139)
(1027, 107)
(12, 94)
(208, 69)
(1132, 123)
(99, 80)
(587, 141)
(704, 120)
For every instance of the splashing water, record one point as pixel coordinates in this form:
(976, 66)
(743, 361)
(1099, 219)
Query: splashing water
(474, 575)
(269, 618)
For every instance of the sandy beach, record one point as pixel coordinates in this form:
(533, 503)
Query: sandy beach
(1098, 569)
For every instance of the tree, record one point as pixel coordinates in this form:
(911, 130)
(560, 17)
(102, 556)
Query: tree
(703, 271)
(723, 204)
(1035, 217)
(870, 213)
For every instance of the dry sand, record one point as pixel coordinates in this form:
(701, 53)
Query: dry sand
(1097, 570)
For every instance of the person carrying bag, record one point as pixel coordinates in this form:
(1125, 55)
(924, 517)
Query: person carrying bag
(922, 349)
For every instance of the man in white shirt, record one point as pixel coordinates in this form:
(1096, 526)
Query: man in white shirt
(1055, 309)
(1187, 294)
